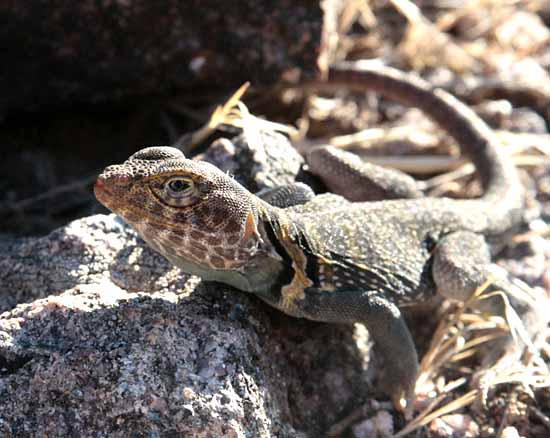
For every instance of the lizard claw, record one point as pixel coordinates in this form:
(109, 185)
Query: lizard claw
(402, 391)
(404, 403)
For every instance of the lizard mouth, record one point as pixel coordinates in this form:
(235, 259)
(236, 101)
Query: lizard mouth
(99, 186)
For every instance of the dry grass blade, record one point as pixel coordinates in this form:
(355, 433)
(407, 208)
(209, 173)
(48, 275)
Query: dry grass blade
(480, 340)
(227, 110)
(370, 136)
(232, 113)
(469, 348)
(222, 114)
(426, 416)
(528, 376)
(525, 140)
(451, 386)
(531, 160)
(246, 118)
(468, 169)
(355, 11)
(439, 180)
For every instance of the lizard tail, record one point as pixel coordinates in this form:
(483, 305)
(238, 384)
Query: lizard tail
(502, 188)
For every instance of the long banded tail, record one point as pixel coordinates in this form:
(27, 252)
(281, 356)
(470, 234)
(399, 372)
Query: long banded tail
(502, 188)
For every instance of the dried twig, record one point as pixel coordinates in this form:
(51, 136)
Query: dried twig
(24, 204)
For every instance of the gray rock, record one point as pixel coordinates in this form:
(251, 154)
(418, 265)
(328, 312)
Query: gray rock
(261, 159)
(62, 53)
(124, 344)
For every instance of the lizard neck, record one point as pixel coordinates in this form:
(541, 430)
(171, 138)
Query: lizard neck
(288, 243)
(269, 266)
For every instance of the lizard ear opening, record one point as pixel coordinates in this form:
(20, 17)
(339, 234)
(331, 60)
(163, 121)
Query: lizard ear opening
(250, 227)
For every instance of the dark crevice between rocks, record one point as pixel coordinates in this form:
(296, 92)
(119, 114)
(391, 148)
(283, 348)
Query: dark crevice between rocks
(11, 366)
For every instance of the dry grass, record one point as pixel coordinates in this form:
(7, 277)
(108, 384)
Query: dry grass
(459, 337)
(232, 113)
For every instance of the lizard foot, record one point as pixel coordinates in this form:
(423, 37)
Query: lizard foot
(401, 388)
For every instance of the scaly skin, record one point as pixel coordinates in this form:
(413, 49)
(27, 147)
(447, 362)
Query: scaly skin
(324, 257)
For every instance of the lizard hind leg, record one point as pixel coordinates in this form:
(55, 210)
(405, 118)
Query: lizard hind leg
(461, 266)
(287, 195)
(393, 339)
(347, 175)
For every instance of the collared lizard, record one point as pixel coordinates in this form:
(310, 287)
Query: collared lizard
(324, 257)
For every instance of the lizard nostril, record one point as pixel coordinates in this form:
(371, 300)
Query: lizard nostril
(107, 179)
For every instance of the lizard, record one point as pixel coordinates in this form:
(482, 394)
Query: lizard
(325, 257)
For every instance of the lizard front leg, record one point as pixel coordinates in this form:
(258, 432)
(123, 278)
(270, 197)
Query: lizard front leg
(387, 327)
(347, 175)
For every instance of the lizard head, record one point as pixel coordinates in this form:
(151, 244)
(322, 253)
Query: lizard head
(189, 211)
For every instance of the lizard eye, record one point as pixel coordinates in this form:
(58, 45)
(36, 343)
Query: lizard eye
(178, 187)
(176, 191)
